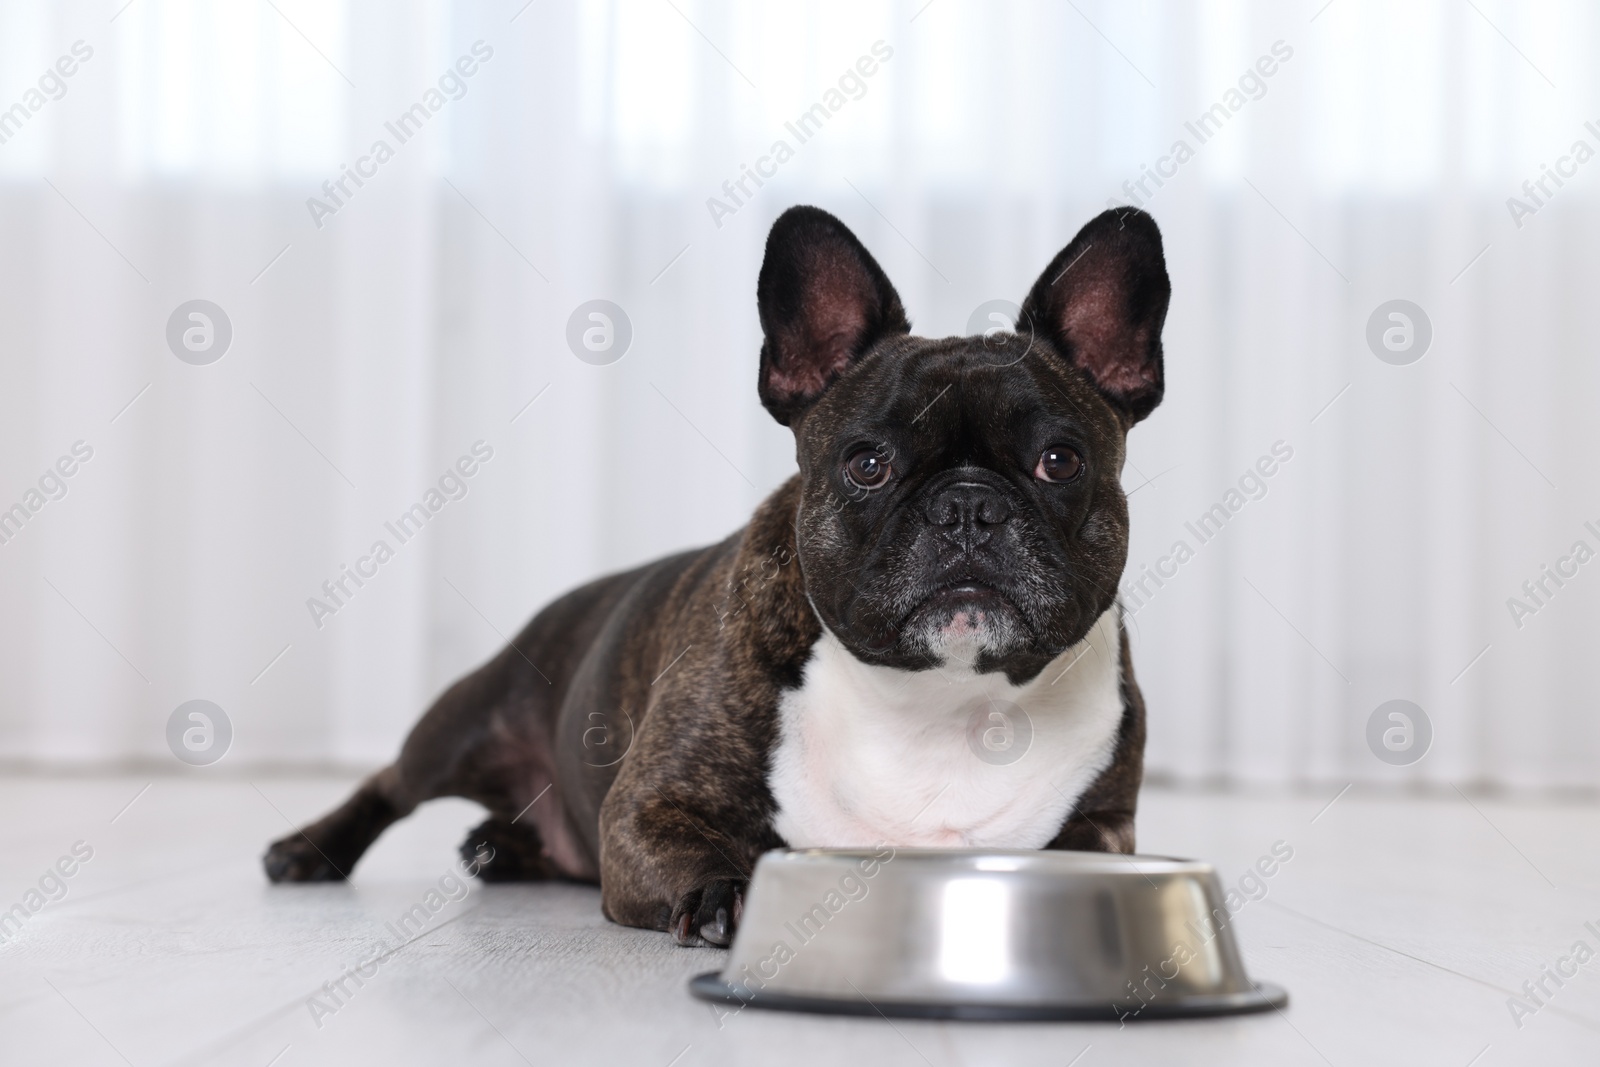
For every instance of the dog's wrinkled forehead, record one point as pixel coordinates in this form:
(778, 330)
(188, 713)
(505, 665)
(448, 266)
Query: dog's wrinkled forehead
(956, 390)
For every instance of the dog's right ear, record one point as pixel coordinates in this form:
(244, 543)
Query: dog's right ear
(823, 302)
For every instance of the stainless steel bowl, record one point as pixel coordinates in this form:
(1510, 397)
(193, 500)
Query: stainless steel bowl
(975, 934)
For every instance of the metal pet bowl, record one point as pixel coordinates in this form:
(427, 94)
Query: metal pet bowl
(975, 934)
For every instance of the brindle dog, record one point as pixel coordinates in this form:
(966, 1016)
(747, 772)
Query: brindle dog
(956, 531)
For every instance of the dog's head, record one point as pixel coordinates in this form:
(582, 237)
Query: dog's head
(961, 498)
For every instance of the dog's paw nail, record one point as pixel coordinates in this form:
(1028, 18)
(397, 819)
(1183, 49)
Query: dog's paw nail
(709, 915)
(716, 931)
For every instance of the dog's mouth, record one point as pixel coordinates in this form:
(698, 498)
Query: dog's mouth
(967, 609)
(966, 594)
(957, 609)
(963, 610)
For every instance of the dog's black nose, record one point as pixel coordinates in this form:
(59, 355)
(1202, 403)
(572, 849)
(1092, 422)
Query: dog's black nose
(963, 512)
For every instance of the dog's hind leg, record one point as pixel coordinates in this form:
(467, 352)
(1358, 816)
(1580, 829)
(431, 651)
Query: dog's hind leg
(327, 850)
(484, 739)
(507, 850)
(488, 738)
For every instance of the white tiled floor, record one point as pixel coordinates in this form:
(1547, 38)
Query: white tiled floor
(1400, 928)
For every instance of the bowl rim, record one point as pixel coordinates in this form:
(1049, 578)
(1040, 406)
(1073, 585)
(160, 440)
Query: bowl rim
(993, 860)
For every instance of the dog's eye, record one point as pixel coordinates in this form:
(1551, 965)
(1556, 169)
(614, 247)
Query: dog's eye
(1058, 464)
(867, 469)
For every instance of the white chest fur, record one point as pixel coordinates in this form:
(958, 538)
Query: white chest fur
(868, 755)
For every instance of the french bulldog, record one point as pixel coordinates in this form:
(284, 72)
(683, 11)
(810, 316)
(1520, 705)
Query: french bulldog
(915, 641)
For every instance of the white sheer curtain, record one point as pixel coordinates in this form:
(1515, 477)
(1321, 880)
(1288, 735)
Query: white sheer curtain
(576, 162)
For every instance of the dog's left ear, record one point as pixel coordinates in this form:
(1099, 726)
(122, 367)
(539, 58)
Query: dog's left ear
(823, 301)
(1102, 302)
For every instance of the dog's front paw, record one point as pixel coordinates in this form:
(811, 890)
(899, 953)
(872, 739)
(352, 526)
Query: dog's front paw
(709, 915)
(296, 859)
